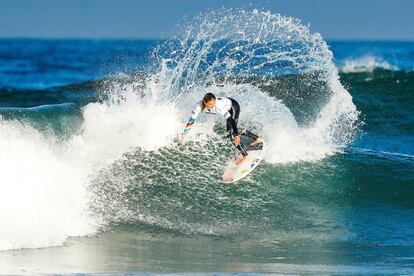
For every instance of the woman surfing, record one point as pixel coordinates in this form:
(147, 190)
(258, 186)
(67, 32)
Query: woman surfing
(230, 109)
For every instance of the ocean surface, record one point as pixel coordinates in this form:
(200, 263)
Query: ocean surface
(92, 179)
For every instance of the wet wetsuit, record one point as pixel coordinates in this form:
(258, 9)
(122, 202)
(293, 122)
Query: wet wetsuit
(230, 109)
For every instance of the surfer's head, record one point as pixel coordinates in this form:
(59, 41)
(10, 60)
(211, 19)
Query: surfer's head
(209, 101)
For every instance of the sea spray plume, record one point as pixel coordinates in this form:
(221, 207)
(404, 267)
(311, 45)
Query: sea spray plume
(228, 43)
(279, 55)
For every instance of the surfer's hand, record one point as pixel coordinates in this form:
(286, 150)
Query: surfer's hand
(237, 140)
(181, 139)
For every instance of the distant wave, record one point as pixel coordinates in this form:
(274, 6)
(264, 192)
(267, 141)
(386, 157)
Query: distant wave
(37, 108)
(366, 63)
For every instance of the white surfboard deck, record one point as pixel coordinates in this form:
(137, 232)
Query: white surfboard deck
(237, 169)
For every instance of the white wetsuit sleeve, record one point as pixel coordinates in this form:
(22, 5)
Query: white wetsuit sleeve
(193, 117)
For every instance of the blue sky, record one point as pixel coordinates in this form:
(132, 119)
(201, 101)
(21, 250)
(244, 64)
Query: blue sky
(334, 19)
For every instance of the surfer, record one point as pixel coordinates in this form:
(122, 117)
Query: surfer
(230, 109)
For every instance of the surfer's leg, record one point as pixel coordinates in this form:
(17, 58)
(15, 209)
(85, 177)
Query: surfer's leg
(235, 112)
(229, 130)
(242, 150)
(228, 126)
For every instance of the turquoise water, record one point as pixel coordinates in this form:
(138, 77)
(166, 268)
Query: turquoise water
(93, 180)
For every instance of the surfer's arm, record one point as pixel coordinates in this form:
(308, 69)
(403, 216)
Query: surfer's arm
(192, 119)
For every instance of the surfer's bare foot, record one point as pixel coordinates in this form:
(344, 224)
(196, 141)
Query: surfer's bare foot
(240, 159)
(257, 141)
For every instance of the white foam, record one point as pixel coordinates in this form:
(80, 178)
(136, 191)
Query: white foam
(111, 130)
(43, 199)
(44, 195)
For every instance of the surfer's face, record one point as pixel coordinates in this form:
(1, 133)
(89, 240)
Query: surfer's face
(210, 104)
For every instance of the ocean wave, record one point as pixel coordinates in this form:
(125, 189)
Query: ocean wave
(110, 168)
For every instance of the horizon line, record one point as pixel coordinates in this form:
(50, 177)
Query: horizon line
(166, 38)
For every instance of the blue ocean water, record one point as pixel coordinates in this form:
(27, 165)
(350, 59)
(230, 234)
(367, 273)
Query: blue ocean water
(90, 166)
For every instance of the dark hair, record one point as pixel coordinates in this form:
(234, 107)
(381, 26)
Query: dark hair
(207, 97)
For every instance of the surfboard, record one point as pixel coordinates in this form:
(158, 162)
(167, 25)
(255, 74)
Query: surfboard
(239, 168)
